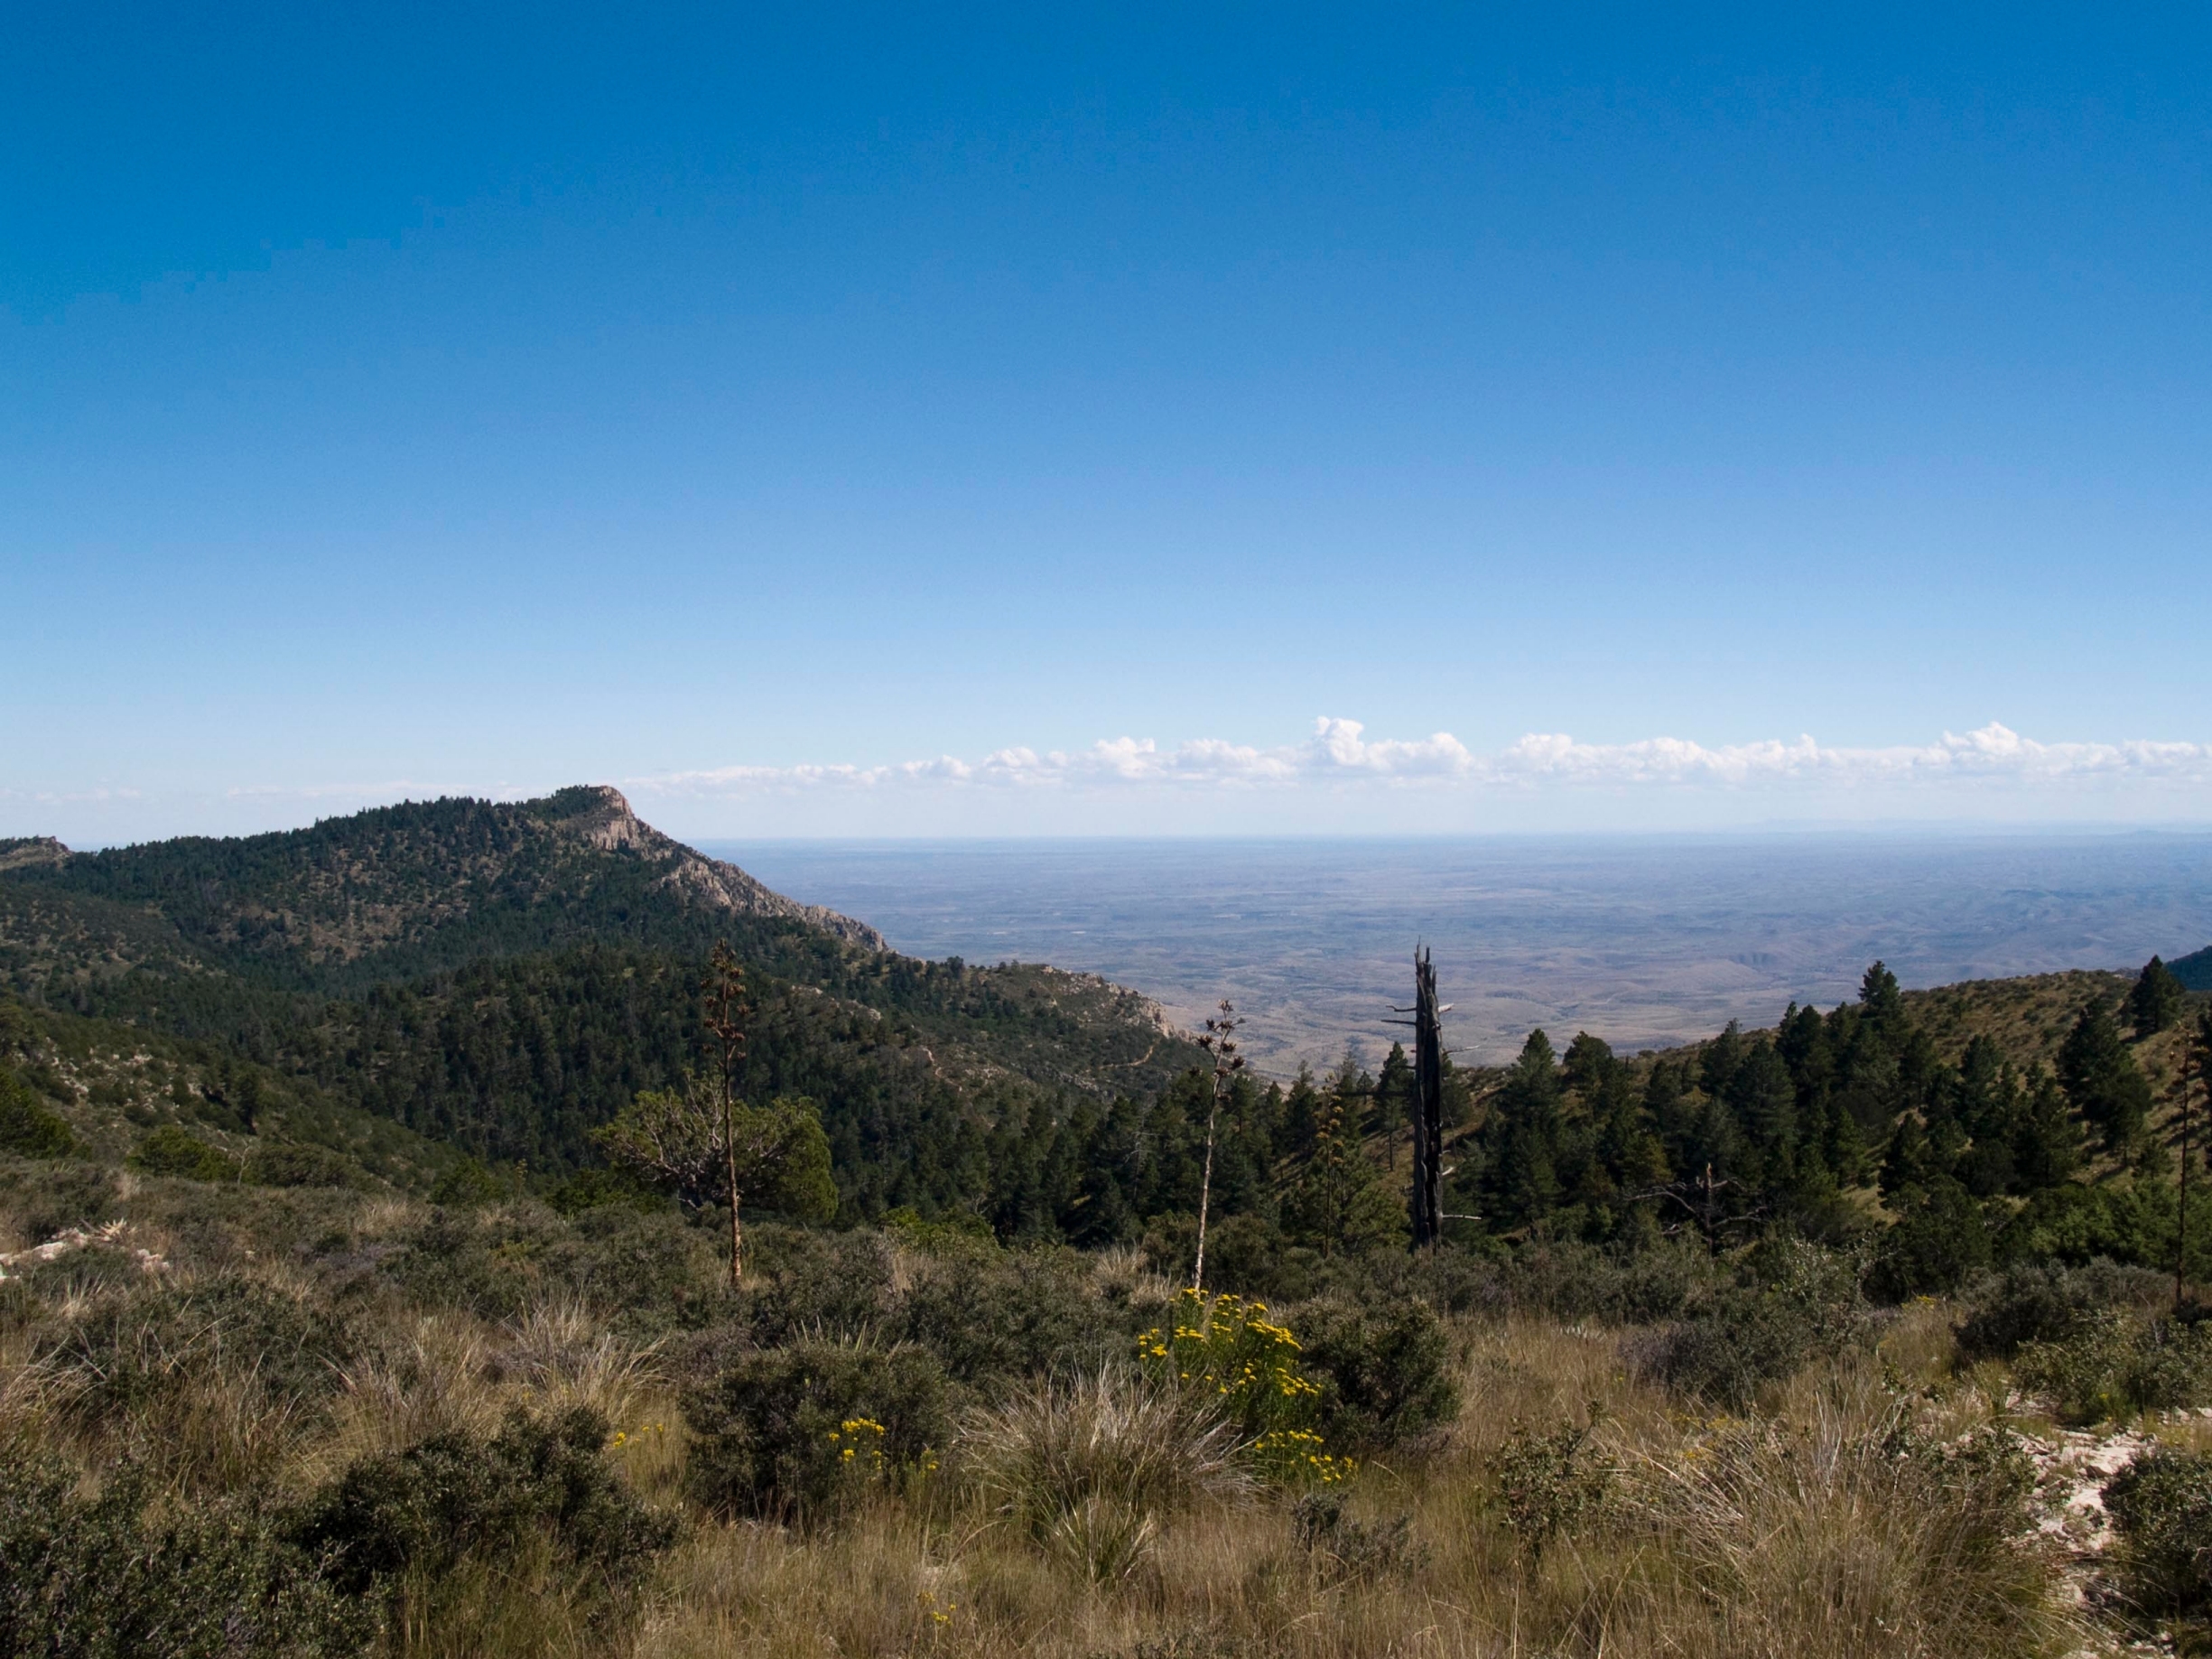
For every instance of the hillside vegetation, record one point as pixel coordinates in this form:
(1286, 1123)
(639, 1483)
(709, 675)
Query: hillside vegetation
(326, 1327)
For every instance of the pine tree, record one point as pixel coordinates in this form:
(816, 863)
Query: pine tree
(1338, 1202)
(1904, 1165)
(1301, 1115)
(1879, 997)
(1523, 1137)
(1764, 1102)
(1393, 1101)
(2046, 1140)
(2101, 1077)
(2156, 1003)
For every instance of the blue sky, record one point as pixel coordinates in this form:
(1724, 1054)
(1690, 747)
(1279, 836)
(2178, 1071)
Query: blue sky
(781, 416)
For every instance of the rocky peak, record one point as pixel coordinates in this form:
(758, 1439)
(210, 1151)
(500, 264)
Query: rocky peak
(598, 816)
(24, 851)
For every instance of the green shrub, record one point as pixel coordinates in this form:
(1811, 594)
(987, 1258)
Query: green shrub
(168, 1151)
(998, 1321)
(409, 1520)
(803, 1432)
(499, 1262)
(817, 1284)
(112, 1575)
(1385, 1368)
(298, 1163)
(44, 1198)
(595, 1188)
(1549, 1484)
(2048, 1301)
(1937, 1241)
(2161, 1505)
(27, 1128)
(467, 1184)
(2113, 1364)
(1800, 1301)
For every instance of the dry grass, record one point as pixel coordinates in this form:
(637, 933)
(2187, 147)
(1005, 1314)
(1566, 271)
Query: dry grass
(1802, 1535)
(1097, 1520)
(1088, 1467)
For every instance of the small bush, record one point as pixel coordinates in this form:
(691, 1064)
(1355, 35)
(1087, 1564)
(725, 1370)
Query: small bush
(1550, 1484)
(833, 1285)
(467, 1184)
(804, 1432)
(589, 1189)
(998, 1321)
(46, 1198)
(1801, 1302)
(1343, 1548)
(2160, 1504)
(409, 1520)
(113, 1575)
(1386, 1369)
(168, 1151)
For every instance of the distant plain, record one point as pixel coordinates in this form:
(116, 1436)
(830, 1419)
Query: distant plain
(1645, 941)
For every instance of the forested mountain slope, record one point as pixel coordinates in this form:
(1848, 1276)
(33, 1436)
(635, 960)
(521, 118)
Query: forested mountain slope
(504, 977)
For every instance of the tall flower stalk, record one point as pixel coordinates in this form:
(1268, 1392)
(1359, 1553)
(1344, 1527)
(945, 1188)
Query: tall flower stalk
(1220, 1041)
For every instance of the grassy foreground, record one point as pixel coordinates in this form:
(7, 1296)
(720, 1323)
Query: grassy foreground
(236, 1420)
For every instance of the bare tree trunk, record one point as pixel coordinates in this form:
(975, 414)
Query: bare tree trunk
(729, 1159)
(1206, 1188)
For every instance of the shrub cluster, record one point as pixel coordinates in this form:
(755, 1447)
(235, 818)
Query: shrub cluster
(803, 1432)
(1793, 1302)
(409, 1519)
(115, 1573)
(2161, 1505)
(2112, 1365)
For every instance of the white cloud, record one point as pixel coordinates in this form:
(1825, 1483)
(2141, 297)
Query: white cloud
(1341, 754)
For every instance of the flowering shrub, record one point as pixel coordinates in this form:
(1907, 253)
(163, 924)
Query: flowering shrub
(1226, 1351)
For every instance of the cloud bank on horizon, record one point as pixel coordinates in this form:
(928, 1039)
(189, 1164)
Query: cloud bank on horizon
(1339, 752)
(1337, 781)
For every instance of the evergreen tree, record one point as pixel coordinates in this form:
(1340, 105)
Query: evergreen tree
(1393, 1102)
(1881, 1000)
(1720, 1060)
(2046, 1140)
(2101, 1077)
(1803, 1043)
(1764, 1102)
(1904, 1164)
(1523, 1137)
(1843, 1144)
(1588, 1063)
(1339, 1203)
(1301, 1115)
(2156, 1003)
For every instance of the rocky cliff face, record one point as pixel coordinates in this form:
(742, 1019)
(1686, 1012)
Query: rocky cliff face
(601, 818)
(22, 853)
